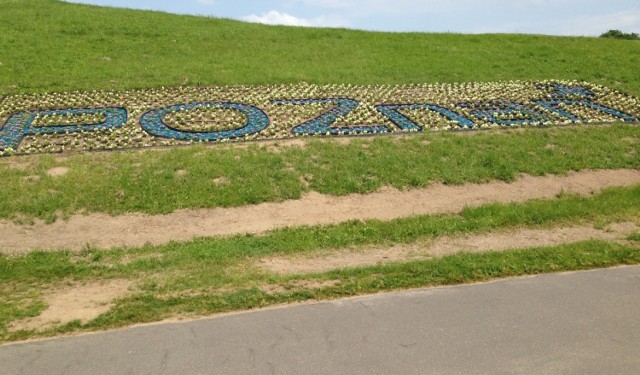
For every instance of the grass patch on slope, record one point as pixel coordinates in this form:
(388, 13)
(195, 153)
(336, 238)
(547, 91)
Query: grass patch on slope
(50, 45)
(148, 181)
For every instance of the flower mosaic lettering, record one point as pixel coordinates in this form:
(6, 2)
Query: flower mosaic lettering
(101, 120)
(323, 123)
(505, 113)
(393, 112)
(152, 122)
(34, 123)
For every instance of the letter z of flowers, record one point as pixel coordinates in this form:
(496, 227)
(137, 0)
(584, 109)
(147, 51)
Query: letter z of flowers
(322, 124)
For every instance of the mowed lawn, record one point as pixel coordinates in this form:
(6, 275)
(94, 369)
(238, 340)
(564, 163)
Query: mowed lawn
(49, 45)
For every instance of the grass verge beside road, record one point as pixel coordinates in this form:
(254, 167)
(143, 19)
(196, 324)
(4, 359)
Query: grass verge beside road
(149, 305)
(213, 275)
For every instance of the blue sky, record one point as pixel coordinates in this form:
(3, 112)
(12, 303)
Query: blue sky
(554, 17)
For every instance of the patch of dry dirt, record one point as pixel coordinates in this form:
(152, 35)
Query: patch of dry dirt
(104, 231)
(17, 164)
(520, 239)
(280, 145)
(221, 181)
(181, 173)
(80, 302)
(298, 285)
(57, 171)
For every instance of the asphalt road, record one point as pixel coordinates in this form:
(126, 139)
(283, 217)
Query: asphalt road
(575, 323)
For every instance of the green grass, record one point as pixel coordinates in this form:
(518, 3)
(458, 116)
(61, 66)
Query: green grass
(220, 274)
(146, 181)
(153, 303)
(49, 45)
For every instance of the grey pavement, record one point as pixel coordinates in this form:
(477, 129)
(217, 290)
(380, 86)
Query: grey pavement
(573, 323)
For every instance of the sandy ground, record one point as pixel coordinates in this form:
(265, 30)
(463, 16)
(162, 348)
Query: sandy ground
(104, 231)
(75, 302)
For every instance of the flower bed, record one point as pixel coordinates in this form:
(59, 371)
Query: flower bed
(85, 121)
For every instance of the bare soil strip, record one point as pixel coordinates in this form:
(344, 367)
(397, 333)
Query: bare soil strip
(106, 231)
(494, 241)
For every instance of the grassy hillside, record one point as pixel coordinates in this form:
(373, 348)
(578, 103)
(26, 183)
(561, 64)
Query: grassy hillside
(47, 45)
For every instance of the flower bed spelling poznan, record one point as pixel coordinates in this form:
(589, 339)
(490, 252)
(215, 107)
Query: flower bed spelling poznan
(98, 120)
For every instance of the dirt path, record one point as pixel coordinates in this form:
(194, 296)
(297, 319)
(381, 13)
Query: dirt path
(313, 209)
(494, 241)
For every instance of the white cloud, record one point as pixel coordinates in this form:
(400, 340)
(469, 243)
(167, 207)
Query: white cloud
(273, 17)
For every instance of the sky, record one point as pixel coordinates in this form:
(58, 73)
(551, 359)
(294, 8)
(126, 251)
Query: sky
(552, 17)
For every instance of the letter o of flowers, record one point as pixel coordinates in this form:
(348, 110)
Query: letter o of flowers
(152, 122)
